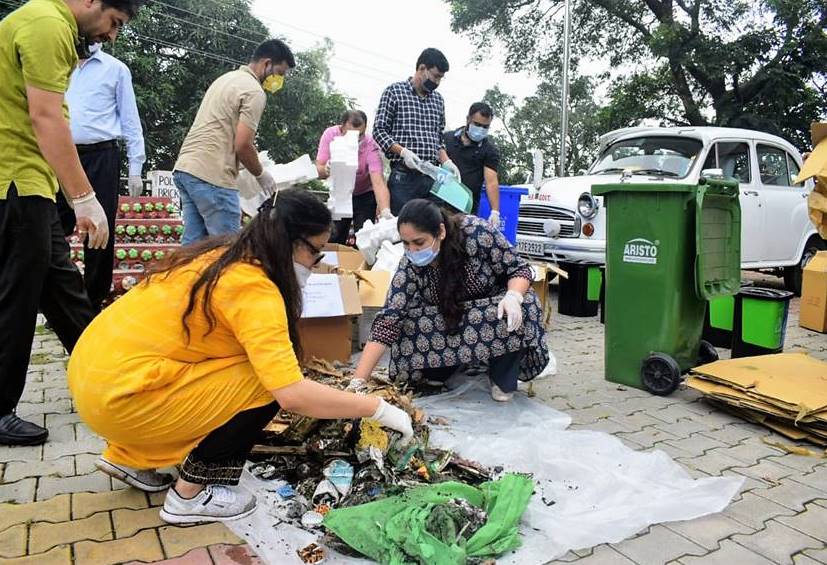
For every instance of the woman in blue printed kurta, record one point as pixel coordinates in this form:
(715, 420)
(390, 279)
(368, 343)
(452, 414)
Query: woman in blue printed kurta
(461, 295)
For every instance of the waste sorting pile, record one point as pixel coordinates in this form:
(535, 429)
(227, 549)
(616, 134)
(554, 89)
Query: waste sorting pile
(786, 392)
(412, 502)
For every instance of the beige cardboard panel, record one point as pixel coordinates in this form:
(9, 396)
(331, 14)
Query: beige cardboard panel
(326, 338)
(813, 313)
(373, 288)
(350, 295)
(348, 258)
(790, 378)
(816, 163)
(818, 131)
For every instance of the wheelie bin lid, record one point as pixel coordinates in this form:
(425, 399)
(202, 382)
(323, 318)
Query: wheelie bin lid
(717, 238)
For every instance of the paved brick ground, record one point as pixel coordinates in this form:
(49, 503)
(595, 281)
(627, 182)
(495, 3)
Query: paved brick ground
(56, 508)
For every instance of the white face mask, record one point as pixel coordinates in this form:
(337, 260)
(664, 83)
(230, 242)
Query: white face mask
(302, 273)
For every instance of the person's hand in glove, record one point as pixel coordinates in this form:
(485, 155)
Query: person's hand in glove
(410, 159)
(91, 220)
(357, 385)
(136, 185)
(451, 166)
(385, 214)
(396, 419)
(267, 182)
(512, 307)
(494, 219)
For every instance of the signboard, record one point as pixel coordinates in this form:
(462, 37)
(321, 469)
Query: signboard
(164, 187)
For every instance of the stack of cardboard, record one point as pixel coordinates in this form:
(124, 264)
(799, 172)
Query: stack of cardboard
(785, 392)
(815, 167)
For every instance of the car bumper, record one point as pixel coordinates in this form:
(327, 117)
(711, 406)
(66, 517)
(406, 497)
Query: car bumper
(548, 249)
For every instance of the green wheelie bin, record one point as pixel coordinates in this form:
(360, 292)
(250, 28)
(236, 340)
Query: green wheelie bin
(670, 248)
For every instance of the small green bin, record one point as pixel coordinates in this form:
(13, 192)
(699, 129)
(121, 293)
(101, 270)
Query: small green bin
(670, 248)
(760, 321)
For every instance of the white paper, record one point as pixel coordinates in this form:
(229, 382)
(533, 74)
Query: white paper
(322, 297)
(331, 258)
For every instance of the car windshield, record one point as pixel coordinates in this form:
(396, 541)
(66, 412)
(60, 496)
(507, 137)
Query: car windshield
(655, 156)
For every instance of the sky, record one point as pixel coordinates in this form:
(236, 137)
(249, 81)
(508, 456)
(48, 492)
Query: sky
(377, 43)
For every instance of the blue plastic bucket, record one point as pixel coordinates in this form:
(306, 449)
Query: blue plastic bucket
(509, 209)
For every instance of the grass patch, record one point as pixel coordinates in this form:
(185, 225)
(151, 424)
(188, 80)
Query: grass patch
(41, 330)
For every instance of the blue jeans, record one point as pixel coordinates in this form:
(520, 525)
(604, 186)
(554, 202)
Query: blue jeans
(405, 185)
(207, 209)
(503, 371)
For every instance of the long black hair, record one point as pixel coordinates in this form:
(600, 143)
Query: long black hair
(426, 216)
(267, 241)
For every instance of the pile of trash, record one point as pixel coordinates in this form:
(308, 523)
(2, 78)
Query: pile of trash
(331, 472)
(786, 392)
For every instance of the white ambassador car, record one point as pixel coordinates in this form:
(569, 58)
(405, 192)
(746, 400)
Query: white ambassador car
(776, 233)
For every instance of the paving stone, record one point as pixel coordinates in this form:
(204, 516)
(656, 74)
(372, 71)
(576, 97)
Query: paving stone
(50, 486)
(813, 522)
(670, 450)
(13, 541)
(605, 555)
(683, 428)
(54, 510)
(157, 498)
(20, 492)
(143, 547)
(802, 559)
(819, 555)
(696, 444)
(802, 463)
(25, 409)
(754, 510)
(44, 535)
(200, 556)
(52, 394)
(130, 522)
(24, 453)
(224, 554)
(86, 504)
(84, 433)
(708, 531)
(791, 494)
(32, 396)
(61, 555)
(593, 414)
(638, 420)
(659, 546)
(817, 479)
(765, 470)
(733, 434)
(713, 462)
(777, 542)
(647, 437)
(16, 470)
(177, 540)
(730, 553)
(85, 463)
(54, 420)
(672, 413)
(58, 450)
(750, 483)
(750, 452)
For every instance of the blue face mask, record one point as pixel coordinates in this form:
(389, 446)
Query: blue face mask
(476, 133)
(422, 257)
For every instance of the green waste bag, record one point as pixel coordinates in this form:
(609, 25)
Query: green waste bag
(417, 527)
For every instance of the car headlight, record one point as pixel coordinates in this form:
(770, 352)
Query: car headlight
(587, 205)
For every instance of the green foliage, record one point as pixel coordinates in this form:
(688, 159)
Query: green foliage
(739, 63)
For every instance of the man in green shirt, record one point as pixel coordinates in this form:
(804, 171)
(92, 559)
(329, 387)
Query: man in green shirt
(39, 46)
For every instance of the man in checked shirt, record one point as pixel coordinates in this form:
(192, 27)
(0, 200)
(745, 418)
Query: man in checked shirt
(408, 127)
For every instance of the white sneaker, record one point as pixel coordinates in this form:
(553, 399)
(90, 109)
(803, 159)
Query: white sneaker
(147, 480)
(215, 503)
(498, 394)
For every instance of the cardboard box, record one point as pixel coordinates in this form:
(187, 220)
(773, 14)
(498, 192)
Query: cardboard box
(344, 257)
(330, 302)
(540, 284)
(814, 294)
(815, 167)
(373, 288)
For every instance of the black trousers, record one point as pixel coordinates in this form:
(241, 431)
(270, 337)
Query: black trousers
(102, 166)
(405, 185)
(364, 209)
(35, 272)
(503, 370)
(219, 458)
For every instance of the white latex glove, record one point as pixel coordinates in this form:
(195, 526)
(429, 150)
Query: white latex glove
(136, 185)
(411, 160)
(385, 214)
(267, 182)
(91, 220)
(357, 385)
(453, 168)
(494, 219)
(396, 419)
(512, 307)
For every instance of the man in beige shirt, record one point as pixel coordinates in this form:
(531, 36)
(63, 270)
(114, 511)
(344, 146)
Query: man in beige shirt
(222, 136)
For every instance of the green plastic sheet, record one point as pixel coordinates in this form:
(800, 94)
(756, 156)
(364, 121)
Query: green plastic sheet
(395, 530)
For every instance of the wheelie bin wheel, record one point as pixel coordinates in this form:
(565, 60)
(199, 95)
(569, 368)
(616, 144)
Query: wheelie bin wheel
(707, 353)
(660, 374)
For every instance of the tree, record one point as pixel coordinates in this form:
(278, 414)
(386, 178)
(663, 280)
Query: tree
(759, 64)
(176, 51)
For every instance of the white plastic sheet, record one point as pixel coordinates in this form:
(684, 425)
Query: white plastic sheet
(591, 489)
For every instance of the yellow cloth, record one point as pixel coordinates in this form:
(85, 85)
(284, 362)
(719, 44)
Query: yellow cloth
(153, 396)
(37, 48)
(208, 151)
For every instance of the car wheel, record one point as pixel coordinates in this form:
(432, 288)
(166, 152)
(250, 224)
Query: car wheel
(794, 275)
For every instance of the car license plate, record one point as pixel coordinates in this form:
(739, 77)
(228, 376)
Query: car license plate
(530, 247)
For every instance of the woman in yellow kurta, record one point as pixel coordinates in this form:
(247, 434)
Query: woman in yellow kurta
(188, 367)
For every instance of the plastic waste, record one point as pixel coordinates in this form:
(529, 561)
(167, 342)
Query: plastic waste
(286, 175)
(336, 485)
(448, 188)
(388, 257)
(344, 160)
(372, 235)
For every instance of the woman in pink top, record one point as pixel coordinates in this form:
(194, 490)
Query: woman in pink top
(370, 193)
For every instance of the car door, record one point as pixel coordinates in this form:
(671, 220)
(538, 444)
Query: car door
(734, 158)
(783, 202)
